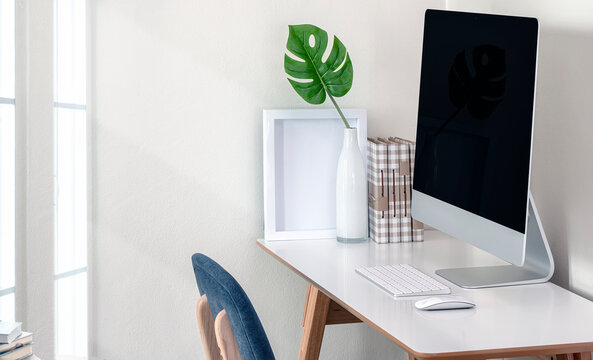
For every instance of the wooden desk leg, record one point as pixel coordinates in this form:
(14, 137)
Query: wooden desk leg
(316, 309)
(411, 357)
(320, 311)
(575, 356)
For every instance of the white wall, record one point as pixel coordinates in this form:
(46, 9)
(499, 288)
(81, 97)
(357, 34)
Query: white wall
(178, 91)
(562, 170)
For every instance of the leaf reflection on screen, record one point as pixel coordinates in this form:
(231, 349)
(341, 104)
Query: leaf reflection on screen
(477, 80)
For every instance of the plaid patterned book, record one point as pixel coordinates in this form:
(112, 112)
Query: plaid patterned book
(378, 191)
(417, 226)
(405, 184)
(417, 230)
(393, 191)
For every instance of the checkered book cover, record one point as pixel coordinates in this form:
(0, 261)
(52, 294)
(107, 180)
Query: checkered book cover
(405, 184)
(393, 193)
(417, 230)
(378, 226)
(417, 226)
(378, 191)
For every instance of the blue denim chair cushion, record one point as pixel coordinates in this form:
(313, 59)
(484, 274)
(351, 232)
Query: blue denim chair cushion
(224, 292)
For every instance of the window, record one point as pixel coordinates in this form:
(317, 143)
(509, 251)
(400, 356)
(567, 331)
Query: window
(7, 159)
(71, 178)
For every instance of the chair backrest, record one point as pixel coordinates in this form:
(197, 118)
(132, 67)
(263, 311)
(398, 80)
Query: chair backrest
(224, 292)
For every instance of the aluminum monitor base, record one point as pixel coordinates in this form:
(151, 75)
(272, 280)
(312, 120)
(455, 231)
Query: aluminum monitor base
(537, 267)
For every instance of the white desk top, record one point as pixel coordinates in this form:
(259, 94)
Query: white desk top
(541, 315)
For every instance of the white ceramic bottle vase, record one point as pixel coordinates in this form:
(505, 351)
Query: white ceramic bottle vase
(351, 192)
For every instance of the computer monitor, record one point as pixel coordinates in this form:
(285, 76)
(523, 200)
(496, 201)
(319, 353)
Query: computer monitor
(474, 141)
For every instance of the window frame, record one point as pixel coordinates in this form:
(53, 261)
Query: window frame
(57, 105)
(11, 290)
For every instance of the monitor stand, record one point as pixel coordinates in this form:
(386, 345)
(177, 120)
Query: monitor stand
(538, 266)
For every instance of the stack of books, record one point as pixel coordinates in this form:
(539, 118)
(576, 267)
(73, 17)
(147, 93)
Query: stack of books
(390, 176)
(14, 343)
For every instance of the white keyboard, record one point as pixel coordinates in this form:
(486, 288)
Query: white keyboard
(403, 280)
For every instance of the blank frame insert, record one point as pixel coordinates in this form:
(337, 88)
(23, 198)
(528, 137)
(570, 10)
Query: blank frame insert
(300, 170)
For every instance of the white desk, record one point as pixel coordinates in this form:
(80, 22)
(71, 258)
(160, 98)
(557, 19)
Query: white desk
(507, 321)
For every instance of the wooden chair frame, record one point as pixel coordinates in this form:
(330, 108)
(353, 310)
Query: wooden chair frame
(217, 335)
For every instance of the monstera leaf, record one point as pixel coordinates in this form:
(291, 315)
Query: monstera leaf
(332, 76)
(477, 80)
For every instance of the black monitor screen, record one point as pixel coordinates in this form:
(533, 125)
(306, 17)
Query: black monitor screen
(475, 113)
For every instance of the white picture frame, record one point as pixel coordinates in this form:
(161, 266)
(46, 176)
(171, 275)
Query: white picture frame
(300, 159)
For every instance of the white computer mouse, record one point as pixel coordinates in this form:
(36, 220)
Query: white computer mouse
(444, 302)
